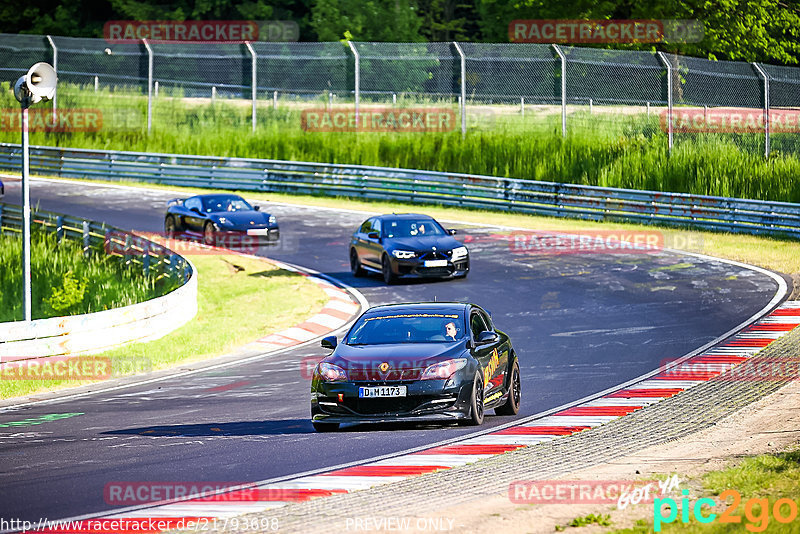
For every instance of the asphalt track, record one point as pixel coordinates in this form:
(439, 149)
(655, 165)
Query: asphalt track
(580, 323)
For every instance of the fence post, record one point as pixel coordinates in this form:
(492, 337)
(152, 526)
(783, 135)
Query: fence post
(275, 100)
(667, 66)
(146, 258)
(463, 99)
(765, 76)
(96, 83)
(59, 229)
(563, 89)
(155, 89)
(213, 93)
(149, 84)
(357, 86)
(86, 238)
(55, 68)
(254, 90)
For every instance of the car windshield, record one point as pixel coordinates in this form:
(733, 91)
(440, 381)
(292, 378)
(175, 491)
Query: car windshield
(411, 228)
(225, 203)
(407, 328)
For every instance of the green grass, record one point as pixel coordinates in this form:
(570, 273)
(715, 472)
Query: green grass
(606, 148)
(63, 282)
(768, 477)
(240, 299)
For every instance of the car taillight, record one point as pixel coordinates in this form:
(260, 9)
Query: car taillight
(443, 370)
(331, 373)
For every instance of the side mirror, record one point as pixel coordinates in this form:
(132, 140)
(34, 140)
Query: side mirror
(328, 342)
(257, 207)
(373, 235)
(196, 210)
(452, 231)
(484, 338)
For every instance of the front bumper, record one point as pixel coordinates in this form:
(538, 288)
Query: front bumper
(416, 268)
(426, 400)
(235, 239)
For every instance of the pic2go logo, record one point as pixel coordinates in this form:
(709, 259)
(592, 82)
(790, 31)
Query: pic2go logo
(756, 511)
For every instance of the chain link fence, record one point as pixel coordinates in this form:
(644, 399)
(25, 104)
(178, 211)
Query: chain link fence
(589, 92)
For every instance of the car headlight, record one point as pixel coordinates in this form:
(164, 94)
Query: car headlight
(331, 373)
(403, 254)
(443, 370)
(272, 219)
(459, 253)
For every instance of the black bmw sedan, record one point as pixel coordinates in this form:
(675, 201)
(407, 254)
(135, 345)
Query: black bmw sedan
(434, 361)
(408, 244)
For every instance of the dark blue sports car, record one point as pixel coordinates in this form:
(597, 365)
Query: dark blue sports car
(408, 244)
(224, 220)
(2, 189)
(434, 361)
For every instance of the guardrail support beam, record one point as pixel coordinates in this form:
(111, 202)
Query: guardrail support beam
(357, 86)
(563, 89)
(254, 90)
(463, 99)
(670, 122)
(765, 77)
(149, 84)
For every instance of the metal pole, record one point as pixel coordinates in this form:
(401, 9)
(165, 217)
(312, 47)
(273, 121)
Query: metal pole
(665, 61)
(55, 68)
(26, 215)
(96, 83)
(254, 89)
(357, 77)
(563, 89)
(462, 102)
(149, 84)
(764, 75)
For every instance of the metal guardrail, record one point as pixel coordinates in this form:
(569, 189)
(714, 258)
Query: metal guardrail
(415, 186)
(154, 259)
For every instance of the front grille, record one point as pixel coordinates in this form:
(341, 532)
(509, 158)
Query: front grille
(435, 255)
(386, 406)
(435, 271)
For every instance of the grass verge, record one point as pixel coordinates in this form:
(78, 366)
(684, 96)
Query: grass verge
(240, 299)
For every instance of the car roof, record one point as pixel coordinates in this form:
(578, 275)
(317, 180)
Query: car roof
(404, 216)
(418, 307)
(216, 195)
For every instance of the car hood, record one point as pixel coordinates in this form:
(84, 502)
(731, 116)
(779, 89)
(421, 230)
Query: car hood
(441, 242)
(364, 362)
(242, 219)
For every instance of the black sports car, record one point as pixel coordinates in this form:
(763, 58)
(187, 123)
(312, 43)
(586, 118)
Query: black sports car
(434, 361)
(2, 189)
(408, 244)
(224, 220)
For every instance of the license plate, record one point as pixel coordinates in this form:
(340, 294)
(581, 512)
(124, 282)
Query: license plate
(435, 263)
(258, 231)
(381, 391)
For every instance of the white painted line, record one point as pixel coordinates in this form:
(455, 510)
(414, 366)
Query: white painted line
(571, 420)
(332, 482)
(637, 401)
(666, 384)
(448, 460)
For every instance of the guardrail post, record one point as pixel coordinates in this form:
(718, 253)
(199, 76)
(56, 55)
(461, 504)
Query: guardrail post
(146, 258)
(149, 84)
(357, 86)
(254, 90)
(563, 89)
(765, 77)
(55, 68)
(667, 66)
(86, 238)
(463, 99)
(59, 229)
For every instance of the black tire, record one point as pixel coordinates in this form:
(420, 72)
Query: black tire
(170, 226)
(476, 411)
(355, 265)
(209, 234)
(325, 427)
(511, 407)
(386, 269)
